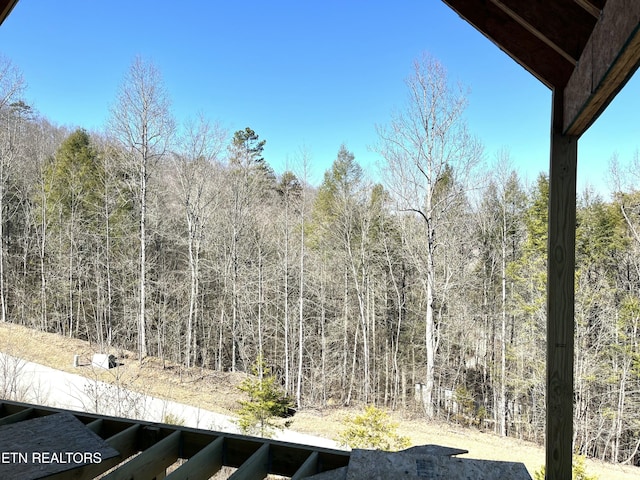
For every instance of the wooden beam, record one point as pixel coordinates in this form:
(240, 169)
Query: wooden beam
(125, 441)
(593, 9)
(17, 417)
(533, 54)
(563, 26)
(256, 467)
(308, 468)
(608, 61)
(152, 462)
(202, 465)
(95, 425)
(5, 8)
(560, 297)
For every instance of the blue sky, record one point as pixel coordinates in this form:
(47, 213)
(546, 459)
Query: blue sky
(300, 73)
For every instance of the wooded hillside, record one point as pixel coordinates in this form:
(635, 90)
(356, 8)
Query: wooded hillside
(181, 242)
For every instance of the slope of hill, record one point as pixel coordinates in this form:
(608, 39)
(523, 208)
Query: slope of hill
(217, 391)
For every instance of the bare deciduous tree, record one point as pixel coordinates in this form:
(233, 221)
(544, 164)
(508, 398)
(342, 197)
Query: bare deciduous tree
(11, 87)
(428, 154)
(197, 167)
(141, 121)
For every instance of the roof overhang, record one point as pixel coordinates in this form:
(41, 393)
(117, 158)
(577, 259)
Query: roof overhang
(587, 49)
(5, 8)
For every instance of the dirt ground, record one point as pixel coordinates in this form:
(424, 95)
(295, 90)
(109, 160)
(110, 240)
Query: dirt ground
(217, 392)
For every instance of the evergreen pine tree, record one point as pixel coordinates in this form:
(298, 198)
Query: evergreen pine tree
(266, 401)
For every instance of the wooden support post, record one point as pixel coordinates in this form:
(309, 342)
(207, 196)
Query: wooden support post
(560, 297)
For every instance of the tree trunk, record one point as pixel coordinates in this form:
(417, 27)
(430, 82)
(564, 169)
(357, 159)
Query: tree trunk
(142, 313)
(430, 342)
(502, 401)
(301, 311)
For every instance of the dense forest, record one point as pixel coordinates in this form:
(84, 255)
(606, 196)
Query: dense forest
(425, 290)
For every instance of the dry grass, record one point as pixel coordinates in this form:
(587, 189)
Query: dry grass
(217, 391)
(207, 389)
